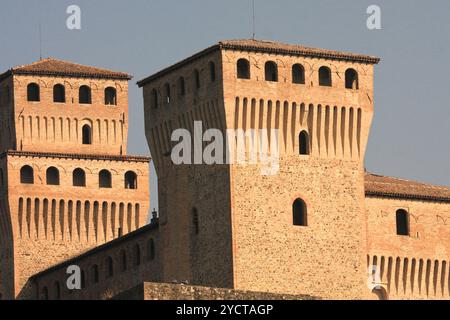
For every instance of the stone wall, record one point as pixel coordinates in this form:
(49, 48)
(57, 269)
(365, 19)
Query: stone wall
(106, 270)
(163, 291)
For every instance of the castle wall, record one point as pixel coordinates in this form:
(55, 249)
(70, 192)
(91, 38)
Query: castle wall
(57, 127)
(415, 266)
(7, 123)
(202, 257)
(107, 270)
(51, 223)
(326, 257)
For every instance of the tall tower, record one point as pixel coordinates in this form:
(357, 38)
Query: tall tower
(299, 230)
(67, 184)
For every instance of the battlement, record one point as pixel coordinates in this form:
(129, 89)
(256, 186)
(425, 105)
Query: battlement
(64, 107)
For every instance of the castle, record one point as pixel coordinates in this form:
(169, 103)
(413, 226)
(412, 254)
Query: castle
(321, 227)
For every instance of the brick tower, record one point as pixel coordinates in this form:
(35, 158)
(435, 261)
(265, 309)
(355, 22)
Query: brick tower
(301, 230)
(67, 184)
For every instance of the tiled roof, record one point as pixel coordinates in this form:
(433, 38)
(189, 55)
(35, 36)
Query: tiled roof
(55, 67)
(76, 156)
(253, 45)
(376, 185)
(292, 49)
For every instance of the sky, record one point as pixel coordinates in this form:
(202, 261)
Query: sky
(410, 136)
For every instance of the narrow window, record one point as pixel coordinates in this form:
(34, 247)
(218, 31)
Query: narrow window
(123, 257)
(154, 99)
(150, 250)
(243, 69)
(111, 96)
(45, 293)
(271, 71)
(57, 291)
(33, 92)
(83, 280)
(212, 71)
(52, 176)
(167, 93)
(130, 180)
(402, 222)
(197, 79)
(195, 221)
(137, 255)
(87, 134)
(27, 175)
(59, 93)
(351, 79)
(300, 213)
(181, 86)
(304, 143)
(110, 267)
(95, 275)
(105, 180)
(298, 74)
(79, 178)
(325, 77)
(85, 95)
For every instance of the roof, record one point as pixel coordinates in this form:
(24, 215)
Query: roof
(389, 187)
(253, 45)
(75, 156)
(56, 67)
(108, 245)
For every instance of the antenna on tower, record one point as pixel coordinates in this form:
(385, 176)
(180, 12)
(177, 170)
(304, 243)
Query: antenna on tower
(40, 41)
(254, 24)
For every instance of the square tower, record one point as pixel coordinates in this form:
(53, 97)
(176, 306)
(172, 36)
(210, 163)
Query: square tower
(300, 229)
(67, 184)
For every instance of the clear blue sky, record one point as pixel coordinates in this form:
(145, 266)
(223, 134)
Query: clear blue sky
(411, 131)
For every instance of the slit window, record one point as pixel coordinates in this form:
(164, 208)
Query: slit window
(300, 213)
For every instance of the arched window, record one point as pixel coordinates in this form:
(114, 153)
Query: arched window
(212, 71)
(181, 86)
(85, 95)
(57, 291)
(195, 221)
(298, 74)
(111, 96)
(123, 258)
(325, 77)
(271, 71)
(130, 180)
(59, 93)
(87, 134)
(197, 81)
(110, 267)
(154, 99)
(150, 250)
(33, 92)
(243, 69)
(402, 222)
(137, 255)
(26, 175)
(167, 93)
(52, 176)
(79, 178)
(45, 293)
(304, 143)
(300, 213)
(351, 79)
(95, 275)
(105, 180)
